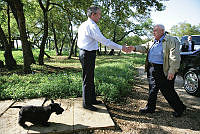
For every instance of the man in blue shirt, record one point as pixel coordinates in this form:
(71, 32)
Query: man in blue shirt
(162, 63)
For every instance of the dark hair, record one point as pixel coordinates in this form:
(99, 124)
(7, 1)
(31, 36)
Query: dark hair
(92, 9)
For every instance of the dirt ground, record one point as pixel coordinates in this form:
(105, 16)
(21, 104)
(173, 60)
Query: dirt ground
(129, 121)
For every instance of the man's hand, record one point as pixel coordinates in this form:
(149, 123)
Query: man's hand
(124, 48)
(132, 48)
(170, 76)
(127, 49)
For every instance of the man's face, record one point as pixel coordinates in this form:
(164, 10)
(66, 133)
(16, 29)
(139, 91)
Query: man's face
(189, 38)
(96, 16)
(158, 32)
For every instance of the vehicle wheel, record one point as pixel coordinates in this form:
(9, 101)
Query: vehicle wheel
(192, 82)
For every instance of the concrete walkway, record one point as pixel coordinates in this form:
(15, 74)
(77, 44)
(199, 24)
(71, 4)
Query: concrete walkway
(73, 119)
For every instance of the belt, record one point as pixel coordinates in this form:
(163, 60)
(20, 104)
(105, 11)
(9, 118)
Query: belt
(92, 51)
(154, 64)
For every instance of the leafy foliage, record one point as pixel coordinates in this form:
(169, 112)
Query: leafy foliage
(185, 29)
(134, 40)
(122, 17)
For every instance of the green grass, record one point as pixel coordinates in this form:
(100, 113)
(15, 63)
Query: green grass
(62, 78)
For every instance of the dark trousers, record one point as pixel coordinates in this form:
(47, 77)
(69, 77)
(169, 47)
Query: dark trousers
(158, 81)
(87, 59)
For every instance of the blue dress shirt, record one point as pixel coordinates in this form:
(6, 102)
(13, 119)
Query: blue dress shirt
(190, 46)
(156, 52)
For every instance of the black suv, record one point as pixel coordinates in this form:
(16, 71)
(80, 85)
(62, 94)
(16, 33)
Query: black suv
(190, 67)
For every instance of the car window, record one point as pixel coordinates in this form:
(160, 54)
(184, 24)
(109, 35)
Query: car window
(196, 40)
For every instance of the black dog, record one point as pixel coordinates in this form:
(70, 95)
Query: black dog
(38, 114)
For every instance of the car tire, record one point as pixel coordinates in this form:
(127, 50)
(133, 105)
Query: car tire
(192, 82)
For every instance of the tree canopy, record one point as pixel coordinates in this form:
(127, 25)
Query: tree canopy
(185, 29)
(53, 24)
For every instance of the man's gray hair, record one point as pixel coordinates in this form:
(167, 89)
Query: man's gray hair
(92, 9)
(160, 26)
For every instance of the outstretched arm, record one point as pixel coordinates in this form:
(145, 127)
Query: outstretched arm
(127, 49)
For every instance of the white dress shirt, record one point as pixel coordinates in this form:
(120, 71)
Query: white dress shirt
(190, 46)
(89, 35)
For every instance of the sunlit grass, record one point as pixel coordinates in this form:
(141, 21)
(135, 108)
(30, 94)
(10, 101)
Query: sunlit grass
(61, 77)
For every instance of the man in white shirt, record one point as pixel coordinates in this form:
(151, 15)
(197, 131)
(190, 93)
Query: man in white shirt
(89, 35)
(188, 45)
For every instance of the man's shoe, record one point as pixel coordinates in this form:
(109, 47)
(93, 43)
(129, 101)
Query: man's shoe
(146, 110)
(176, 114)
(90, 107)
(97, 102)
(184, 108)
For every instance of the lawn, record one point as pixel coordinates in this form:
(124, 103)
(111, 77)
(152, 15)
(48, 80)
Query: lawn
(61, 77)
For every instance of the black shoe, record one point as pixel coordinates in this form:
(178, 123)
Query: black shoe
(146, 110)
(176, 114)
(97, 102)
(184, 108)
(90, 107)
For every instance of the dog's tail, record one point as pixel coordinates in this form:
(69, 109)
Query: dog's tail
(16, 107)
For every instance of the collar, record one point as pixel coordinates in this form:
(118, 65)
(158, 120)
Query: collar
(89, 19)
(161, 39)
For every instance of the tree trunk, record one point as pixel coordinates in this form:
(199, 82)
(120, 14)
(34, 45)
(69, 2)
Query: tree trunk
(112, 52)
(45, 35)
(27, 52)
(55, 39)
(17, 44)
(61, 48)
(9, 60)
(49, 44)
(9, 33)
(105, 52)
(72, 47)
(17, 10)
(75, 51)
(1, 64)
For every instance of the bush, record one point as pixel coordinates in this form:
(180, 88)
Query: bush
(114, 82)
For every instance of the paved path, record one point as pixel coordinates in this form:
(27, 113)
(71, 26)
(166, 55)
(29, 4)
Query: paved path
(73, 119)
